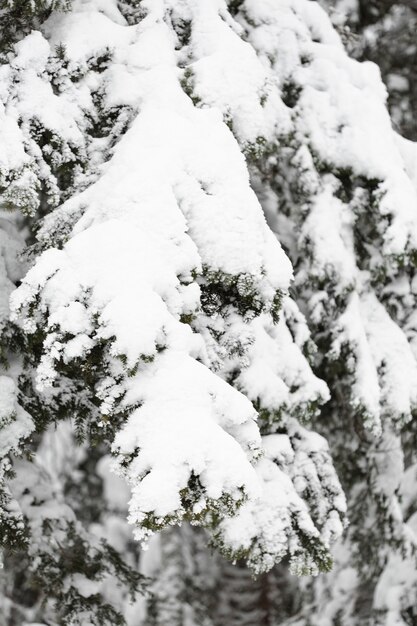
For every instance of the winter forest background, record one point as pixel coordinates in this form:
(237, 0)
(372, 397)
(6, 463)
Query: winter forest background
(208, 325)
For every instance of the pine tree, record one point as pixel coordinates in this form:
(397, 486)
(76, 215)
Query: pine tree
(351, 237)
(155, 153)
(384, 32)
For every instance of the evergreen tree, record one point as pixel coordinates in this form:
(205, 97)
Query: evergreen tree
(384, 32)
(154, 155)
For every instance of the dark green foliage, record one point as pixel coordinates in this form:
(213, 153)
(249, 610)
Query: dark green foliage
(19, 17)
(272, 421)
(182, 590)
(13, 532)
(370, 11)
(105, 122)
(220, 291)
(383, 31)
(235, 6)
(290, 93)
(314, 548)
(90, 609)
(84, 487)
(312, 553)
(183, 30)
(259, 149)
(188, 85)
(191, 510)
(46, 578)
(65, 161)
(395, 50)
(132, 10)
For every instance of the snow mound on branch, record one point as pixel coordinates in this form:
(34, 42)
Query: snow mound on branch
(278, 523)
(160, 288)
(162, 212)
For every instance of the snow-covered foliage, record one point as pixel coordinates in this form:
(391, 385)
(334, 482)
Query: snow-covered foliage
(15, 423)
(72, 565)
(155, 154)
(165, 285)
(384, 31)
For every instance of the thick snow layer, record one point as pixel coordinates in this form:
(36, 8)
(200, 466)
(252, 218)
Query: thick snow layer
(279, 384)
(384, 367)
(183, 433)
(166, 212)
(271, 526)
(162, 210)
(341, 111)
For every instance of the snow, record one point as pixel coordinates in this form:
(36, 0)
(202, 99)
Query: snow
(12, 155)
(278, 448)
(366, 390)
(168, 212)
(11, 268)
(332, 247)
(340, 113)
(393, 357)
(396, 588)
(161, 211)
(198, 422)
(35, 98)
(384, 368)
(280, 384)
(270, 525)
(15, 423)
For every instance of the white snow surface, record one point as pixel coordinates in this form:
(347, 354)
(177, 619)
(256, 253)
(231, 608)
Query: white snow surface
(171, 205)
(161, 210)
